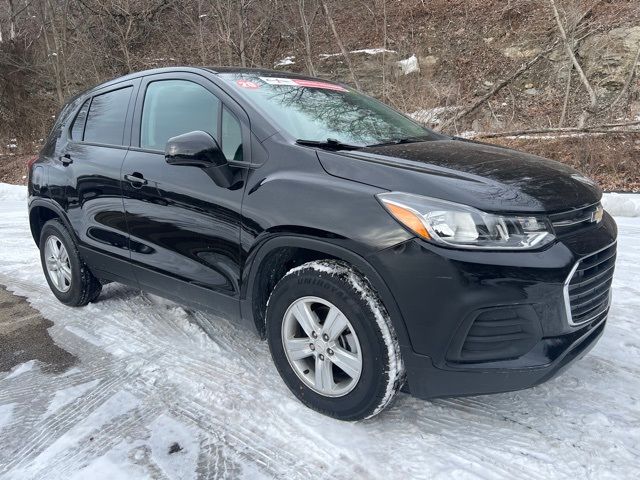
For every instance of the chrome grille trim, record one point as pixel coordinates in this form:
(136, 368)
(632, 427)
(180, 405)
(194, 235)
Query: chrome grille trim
(567, 298)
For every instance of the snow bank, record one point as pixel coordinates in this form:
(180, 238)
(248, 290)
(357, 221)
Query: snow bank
(409, 65)
(367, 51)
(433, 116)
(13, 192)
(622, 204)
(285, 61)
(373, 51)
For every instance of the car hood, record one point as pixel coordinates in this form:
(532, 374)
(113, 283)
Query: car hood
(488, 177)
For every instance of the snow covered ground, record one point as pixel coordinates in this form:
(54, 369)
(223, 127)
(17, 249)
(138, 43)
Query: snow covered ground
(148, 377)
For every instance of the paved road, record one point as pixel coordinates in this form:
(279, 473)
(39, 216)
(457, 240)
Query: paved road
(24, 337)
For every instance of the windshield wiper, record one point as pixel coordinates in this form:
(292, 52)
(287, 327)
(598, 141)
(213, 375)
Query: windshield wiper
(398, 141)
(329, 144)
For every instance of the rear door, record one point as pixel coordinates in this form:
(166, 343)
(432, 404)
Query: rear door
(184, 229)
(99, 139)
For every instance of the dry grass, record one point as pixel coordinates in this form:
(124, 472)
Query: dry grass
(13, 168)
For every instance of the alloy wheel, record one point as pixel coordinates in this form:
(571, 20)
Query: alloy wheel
(322, 346)
(57, 264)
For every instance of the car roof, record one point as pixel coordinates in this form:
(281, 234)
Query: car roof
(258, 72)
(261, 72)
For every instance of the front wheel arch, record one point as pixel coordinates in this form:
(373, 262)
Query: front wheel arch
(253, 310)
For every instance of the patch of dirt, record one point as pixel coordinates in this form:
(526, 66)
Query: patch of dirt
(24, 337)
(13, 169)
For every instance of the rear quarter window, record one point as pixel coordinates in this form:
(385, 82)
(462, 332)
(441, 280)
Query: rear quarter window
(106, 118)
(77, 128)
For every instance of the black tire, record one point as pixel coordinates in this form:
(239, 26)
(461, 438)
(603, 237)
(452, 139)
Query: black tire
(83, 287)
(382, 373)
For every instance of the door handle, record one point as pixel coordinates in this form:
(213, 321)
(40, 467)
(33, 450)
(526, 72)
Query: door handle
(136, 179)
(66, 159)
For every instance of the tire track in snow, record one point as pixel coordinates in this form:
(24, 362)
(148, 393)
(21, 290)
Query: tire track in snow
(273, 455)
(40, 434)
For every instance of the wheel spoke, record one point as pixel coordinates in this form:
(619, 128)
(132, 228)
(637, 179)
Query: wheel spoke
(305, 317)
(346, 361)
(334, 324)
(66, 272)
(53, 247)
(324, 375)
(64, 256)
(53, 276)
(298, 348)
(61, 284)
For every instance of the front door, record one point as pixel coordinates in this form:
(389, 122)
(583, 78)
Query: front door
(184, 229)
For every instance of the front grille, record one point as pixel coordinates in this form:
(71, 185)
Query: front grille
(587, 291)
(566, 223)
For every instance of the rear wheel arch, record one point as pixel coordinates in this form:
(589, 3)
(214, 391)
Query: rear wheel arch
(40, 212)
(279, 255)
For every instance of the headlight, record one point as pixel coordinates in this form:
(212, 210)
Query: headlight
(456, 225)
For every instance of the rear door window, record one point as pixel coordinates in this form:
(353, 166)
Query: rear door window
(174, 107)
(107, 116)
(77, 129)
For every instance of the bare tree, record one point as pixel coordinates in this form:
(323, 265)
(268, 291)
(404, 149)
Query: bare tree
(50, 50)
(240, 16)
(336, 35)
(569, 49)
(12, 21)
(306, 30)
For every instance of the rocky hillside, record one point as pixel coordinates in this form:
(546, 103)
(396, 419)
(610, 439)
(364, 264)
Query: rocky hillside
(508, 71)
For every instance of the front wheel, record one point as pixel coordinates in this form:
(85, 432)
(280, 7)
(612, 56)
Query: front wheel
(332, 341)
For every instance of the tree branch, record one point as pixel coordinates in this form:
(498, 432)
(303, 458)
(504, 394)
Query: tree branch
(499, 86)
(345, 54)
(605, 128)
(569, 49)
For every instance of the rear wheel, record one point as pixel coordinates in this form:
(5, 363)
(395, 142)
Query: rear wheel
(332, 341)
(67, 275)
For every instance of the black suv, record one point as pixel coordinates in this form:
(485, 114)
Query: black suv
(370, 252)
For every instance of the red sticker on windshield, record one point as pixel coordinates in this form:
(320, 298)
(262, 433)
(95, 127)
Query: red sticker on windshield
(247, 84)
(299, 82)
(317, 84)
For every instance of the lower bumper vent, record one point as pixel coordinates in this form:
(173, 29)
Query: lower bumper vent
(496, 334)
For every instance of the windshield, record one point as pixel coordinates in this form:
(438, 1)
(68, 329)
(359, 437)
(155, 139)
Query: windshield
(317, 110)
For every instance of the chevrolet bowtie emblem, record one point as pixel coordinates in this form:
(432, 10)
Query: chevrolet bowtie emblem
(596, 215)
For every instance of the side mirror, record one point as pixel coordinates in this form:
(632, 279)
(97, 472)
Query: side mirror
(199, 149)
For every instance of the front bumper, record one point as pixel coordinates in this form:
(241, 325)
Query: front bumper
(487, 322)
